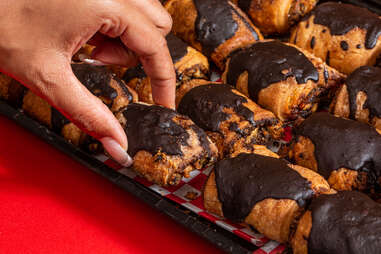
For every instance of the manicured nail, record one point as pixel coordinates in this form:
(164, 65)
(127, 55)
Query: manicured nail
(93, 62)
(116, 151)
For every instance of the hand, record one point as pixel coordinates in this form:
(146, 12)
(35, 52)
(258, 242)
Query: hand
(39, 38)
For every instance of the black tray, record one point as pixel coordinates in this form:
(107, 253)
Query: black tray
(220, 237)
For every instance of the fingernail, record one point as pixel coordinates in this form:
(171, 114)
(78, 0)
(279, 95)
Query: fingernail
(94, 62)
(116, 151)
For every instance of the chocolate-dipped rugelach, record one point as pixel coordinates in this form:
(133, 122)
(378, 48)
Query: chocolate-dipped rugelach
(164, 144)
(281, 78)
(264, 192)
(343, 35)
(275, 16)
(346, 152)
(188, 62)
(360, 97)
(99, 80)
(234, 122)
(214, 27)
(347, 222)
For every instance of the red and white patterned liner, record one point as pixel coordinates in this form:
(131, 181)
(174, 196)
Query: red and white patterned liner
(194, 185)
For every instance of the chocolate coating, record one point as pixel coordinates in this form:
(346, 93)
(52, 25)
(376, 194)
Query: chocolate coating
(151, 128)
(344, 143)
(348, 222)
(344, 45)
(135, 72)
(366, 79)
(177, 48)
(268, 63)
(215, 23)
(97, 80)
(244, 4)
(341, 18)
(247, 179)
(205, 106)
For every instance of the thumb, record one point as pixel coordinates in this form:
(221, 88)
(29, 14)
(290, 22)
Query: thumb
(56, 82)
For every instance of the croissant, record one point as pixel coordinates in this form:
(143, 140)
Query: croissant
(264, 192)
(234, 122)
(359, 98)
(165, 145)
(214, 27)
(345, 152)
(275, 16)
(281, 78)
(343, 35)
(347, 222)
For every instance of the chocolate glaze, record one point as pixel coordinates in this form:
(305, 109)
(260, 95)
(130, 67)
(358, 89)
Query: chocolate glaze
(344, 143)
(344, 45)
(152, 128)
(348, 222)
(215, 23)
(135, 72)
(244, 4)
(177, 48)
(247, 179)
(266, 63)
(328, 57)
(341, 18)
(95, 79)
(205, 106)
(366, 79)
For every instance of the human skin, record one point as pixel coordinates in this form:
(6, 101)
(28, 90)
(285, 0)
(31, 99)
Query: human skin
(39, 38)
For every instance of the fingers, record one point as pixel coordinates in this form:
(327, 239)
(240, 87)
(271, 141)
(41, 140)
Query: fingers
(58, 85)
(155, 11)
(151, 48)
(112, 51)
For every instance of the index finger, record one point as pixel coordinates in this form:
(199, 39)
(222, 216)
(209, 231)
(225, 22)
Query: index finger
(146, 40)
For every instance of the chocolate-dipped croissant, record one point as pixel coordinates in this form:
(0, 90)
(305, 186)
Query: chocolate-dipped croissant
(281, 78)
(214, 27)
(164, 144)
(347, 222)
(234, 122)
(343, 35)
(345, 152)
(188, 63)
(98, 80)
(275, 16)
(264, 192)
(360, 97)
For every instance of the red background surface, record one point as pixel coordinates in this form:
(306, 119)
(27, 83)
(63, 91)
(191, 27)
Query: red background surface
(51, 204)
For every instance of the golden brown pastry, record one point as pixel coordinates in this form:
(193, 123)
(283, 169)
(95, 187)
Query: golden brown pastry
(360, 97)
(164, 144)
(345, 152)
(264, 192)
(281, 78)
(343, 35)
(101, 82)
(275, 16)
(214, 27)
(188, 62)
(347, 222)
(234, 122)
